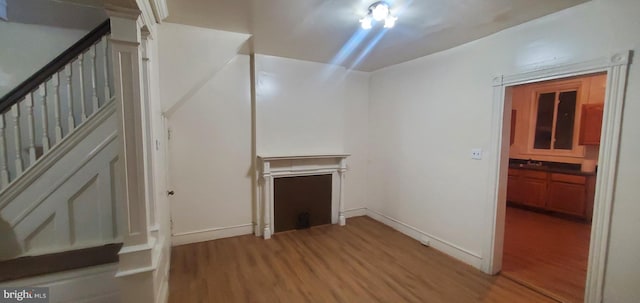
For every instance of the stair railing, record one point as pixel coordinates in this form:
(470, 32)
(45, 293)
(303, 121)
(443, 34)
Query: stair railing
(48, 106)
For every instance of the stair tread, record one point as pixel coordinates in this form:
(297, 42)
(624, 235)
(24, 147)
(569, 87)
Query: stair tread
(30, 266)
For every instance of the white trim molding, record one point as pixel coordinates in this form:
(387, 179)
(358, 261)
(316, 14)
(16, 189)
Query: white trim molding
(299, 165)
(616, 66)
(211, 234)
(160, 9)
(464, 255)
(355, 212)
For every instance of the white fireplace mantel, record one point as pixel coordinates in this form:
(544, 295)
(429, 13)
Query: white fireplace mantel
(271, 167)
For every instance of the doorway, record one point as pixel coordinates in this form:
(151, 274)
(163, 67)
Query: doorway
(615, 67)
(553, 151)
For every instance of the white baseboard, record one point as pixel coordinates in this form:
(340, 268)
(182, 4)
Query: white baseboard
(96, 284)
(355, 212)
(211, 234)
(448, 248)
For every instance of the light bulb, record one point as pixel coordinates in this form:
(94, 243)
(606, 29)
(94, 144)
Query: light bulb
(365, 22)
(380, 12)
(390, 21)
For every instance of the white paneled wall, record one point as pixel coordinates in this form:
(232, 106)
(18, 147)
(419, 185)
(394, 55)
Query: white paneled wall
(74, 201)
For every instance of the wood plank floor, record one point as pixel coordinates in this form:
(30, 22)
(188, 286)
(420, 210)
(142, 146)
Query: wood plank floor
(546, 253)
(364, 261)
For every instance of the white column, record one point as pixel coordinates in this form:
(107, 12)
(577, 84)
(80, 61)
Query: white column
(17, 136)
(342, 172)
(83, 106)
(56, 107)
(31, 129)
(68, 71)
(94, 70)
(45, 117)
(105, 70)
(268, 199)
(146, 73)
(4, 172)
(136, 265)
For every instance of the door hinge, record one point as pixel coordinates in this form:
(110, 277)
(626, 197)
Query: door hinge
(169, 134)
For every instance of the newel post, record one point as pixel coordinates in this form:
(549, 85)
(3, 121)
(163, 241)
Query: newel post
(136, 266)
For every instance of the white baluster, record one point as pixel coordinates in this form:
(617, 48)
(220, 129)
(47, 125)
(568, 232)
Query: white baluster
(4, 173)
(15, 112)
(31, 130)
(56, 106)
(94, 91)
(45, 117)
(68, 72)
(83, 107)
(107, 90)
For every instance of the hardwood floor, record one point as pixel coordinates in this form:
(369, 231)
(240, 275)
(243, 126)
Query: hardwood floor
(364, 261)
(546, 253)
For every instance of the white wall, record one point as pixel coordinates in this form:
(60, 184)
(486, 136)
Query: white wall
(211, 156)
(356, 135)
(27, 48)
(307, 108)
(189, 57)
(299, 107)
(205, 93)
(426, 115)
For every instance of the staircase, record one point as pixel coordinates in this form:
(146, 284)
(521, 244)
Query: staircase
(59, 174)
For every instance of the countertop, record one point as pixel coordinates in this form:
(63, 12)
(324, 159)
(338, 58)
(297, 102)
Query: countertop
(552, 167)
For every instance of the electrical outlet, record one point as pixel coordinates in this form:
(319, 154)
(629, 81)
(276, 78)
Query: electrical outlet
(425, 241)
(476, 153)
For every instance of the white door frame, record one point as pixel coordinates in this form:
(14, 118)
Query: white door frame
(616, 67)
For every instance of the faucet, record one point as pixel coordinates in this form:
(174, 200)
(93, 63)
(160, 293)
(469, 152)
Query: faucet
(534, 163)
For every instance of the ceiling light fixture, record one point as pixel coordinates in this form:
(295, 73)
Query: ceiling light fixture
(378, 11)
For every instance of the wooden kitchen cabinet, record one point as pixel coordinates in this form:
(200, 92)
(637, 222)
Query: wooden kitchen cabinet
(591, 124)
(514, 186)
(534, 188)
(550, 191)
(567, 194)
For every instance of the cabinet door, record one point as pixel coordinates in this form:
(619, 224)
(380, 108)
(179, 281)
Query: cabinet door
(514, 190)
(591, 124)
(534, 192)
(567, 198)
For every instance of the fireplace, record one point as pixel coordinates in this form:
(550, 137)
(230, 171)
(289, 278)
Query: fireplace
(330, 169)
(301, 202)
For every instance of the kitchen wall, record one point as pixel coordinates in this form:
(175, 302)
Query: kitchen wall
(427, 114)
(523, 98)
(26, 48)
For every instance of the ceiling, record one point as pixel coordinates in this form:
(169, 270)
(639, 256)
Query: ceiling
(55, 13)
(328, 30)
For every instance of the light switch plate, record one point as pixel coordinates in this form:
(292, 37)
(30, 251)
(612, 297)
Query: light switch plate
(476, 153)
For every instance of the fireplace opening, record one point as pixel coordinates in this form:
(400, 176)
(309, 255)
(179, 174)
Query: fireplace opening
(301, 202)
